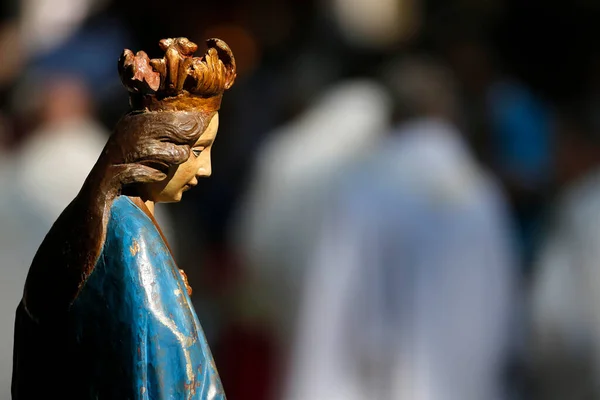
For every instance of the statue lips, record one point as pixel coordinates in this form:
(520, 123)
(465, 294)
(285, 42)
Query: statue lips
(189, 185)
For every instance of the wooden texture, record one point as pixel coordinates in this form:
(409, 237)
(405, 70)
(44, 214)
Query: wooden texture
(103, 297)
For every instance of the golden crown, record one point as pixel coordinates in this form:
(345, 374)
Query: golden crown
(178, 81)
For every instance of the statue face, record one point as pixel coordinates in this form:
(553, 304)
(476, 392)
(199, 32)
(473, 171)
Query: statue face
(185, 176)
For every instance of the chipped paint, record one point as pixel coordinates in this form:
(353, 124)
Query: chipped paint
(136, 284)
(134, 248)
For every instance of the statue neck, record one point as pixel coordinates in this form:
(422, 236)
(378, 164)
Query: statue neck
(147, 206)
(150, 206)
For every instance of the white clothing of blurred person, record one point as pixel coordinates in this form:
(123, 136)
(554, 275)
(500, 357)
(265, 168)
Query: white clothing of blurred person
(408, 293)
(279, 216)
(565, 337)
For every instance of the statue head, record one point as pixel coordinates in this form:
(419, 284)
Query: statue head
(176, 100)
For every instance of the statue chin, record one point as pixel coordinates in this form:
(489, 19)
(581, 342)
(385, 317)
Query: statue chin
(168, 197)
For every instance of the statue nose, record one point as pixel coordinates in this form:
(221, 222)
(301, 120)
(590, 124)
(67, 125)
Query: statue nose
(205, 170)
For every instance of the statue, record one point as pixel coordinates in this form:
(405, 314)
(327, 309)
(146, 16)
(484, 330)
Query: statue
(106, 313)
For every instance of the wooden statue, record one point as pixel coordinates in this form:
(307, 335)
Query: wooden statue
(106, 313)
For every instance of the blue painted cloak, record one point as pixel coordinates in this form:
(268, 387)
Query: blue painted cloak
(132, 332)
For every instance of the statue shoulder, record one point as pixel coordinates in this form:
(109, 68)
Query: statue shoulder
(128, 225)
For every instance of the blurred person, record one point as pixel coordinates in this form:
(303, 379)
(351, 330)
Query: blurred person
(86, 53)
(11, 238)
(68, 136)
(408, 291)
(41, 176)
(511, 128)
(565, 336)
(280, 213)
(518, 121)
(44, 24)
(376, 24)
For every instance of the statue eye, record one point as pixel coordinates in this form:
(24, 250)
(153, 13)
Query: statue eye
(197, 151)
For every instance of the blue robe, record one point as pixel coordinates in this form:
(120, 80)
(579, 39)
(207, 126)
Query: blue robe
(132, 332)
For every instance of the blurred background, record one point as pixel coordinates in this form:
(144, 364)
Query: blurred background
(405, 201)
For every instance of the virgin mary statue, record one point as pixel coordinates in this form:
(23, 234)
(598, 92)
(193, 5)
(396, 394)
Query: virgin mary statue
(106, 313)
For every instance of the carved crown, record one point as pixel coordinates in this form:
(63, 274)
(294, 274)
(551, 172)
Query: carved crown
(178, 81)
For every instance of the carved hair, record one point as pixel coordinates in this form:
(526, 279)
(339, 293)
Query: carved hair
(163, 139)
